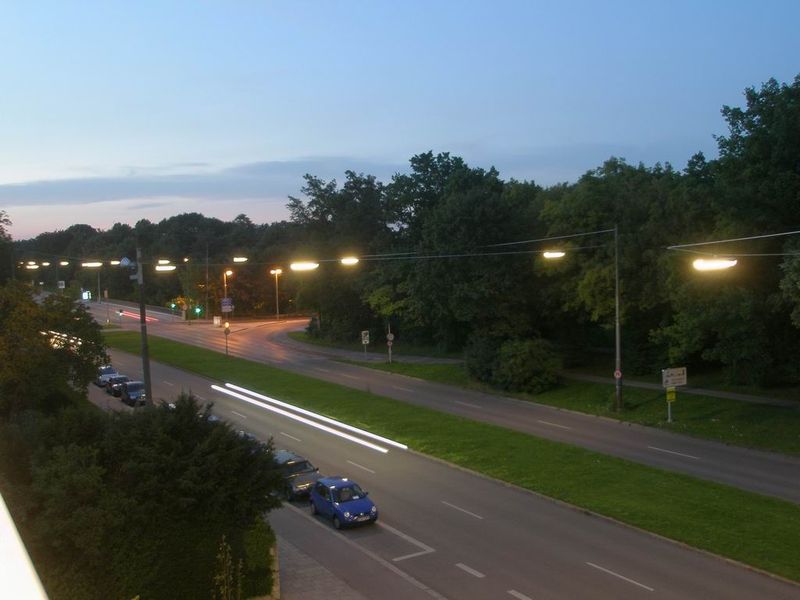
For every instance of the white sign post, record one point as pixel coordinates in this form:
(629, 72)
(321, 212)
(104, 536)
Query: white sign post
(365, 340)
(670, 379)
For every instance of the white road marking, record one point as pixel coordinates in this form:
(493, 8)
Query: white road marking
(291, 437)
(168, 383)
(349, 376)
(470, 570)
(641, 585)
(519, 595)
(673, 452)
(553, 424)
(199, 397)
(343, 539)
(425, 549)
(361, 467)
(467, 404)
(471, 514)
(238, 414)
(321, 369)
(402, 389)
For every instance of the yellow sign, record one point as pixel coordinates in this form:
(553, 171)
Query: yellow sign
(670, 394)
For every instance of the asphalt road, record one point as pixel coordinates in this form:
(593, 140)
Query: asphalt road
(447, 533)
(762, 472)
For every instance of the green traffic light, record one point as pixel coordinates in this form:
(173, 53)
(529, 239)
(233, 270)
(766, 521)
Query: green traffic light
(197, 310)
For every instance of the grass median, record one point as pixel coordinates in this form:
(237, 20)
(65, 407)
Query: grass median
(754, 529)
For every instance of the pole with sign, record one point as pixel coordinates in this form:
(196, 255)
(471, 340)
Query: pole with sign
(670, 379)
(389, 340)
(365, 340)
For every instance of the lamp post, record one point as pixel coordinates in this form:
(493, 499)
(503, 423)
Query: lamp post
(225, 274)
(555, 254)
(276, 272)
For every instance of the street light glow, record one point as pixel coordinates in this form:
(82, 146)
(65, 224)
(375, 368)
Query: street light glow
(34, 266)
(303, 266)
(553, 254)
(94, 264)
(276, 271)
(349, 260)
(165, 267)
(228, 273)
(64, 263)
(239, 259)
(163, 261)
(114, 263)
(714, 264)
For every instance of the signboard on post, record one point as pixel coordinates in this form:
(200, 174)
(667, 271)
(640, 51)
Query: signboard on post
(673, 377)
(365, 337)
(227, 305)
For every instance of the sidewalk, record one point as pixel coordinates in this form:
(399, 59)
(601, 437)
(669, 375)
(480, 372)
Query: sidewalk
(687, 390)
(303, 578)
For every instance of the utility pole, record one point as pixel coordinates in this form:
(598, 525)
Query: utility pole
(148, 390)
(617, 341)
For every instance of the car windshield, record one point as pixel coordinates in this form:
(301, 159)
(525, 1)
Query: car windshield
(135, 387)
(301, 466)
(347, 494)
(107, 370)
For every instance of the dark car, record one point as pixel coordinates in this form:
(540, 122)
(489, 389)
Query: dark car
(114, 384)
(133, 393)
(343, 501)
(298, 474)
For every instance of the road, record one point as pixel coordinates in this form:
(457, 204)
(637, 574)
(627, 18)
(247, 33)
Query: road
(762, 472)
(448, 533)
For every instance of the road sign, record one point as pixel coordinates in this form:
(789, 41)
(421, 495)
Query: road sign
(365, 337)
(227, 305)
(670, 394)
(389, 343)
(390, 337)
(673, 377)
(617, 374)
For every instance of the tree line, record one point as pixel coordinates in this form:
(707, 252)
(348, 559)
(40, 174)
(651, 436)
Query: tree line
(451, 257)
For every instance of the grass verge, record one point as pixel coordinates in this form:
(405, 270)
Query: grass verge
(377, 345)
(756, 530)
(751, 425)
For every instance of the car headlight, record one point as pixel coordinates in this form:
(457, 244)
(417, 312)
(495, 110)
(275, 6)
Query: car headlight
(346, 515)
(374, 509)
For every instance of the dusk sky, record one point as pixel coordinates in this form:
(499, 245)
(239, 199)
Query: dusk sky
(120, 111)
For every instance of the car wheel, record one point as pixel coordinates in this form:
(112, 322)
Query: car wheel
(314, 509)
(337, 524)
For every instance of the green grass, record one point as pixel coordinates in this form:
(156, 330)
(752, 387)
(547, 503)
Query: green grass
(376, 345)
(761, 426)
(744, 526)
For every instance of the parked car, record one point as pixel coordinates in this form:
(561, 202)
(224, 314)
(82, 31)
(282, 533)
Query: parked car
(298, 474)
(104, 373)
(114, 384)
(133, 393)
(343, 501)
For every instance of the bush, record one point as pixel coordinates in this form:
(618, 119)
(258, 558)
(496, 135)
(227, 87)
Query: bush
(527, 366)
(480, 356)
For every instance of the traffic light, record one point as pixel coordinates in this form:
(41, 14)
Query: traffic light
(198, 310)
(172, 305)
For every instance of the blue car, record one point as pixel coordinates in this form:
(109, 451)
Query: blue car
(342, 501)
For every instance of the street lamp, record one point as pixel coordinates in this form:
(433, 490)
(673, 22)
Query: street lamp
(713, 264)
(95, 264)
(225, 276)
(555, 254)
(276, 272)
(303, 266)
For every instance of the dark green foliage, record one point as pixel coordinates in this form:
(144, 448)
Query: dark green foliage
(112, 506)
(527, 366)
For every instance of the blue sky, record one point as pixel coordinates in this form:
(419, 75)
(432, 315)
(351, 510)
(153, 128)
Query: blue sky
(119, 111)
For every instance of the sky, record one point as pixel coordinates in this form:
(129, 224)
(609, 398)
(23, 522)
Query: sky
(118, 111)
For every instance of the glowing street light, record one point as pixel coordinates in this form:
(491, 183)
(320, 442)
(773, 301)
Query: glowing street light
(553, 254)
(163, 261)
(240, 259)
(64, 263)
(276, 272)
(303, 266)
(349, 261)
(166, 267)
(714, 264)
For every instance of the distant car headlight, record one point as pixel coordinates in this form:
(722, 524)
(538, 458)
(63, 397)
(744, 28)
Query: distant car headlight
(347, 515)
(373, 510)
